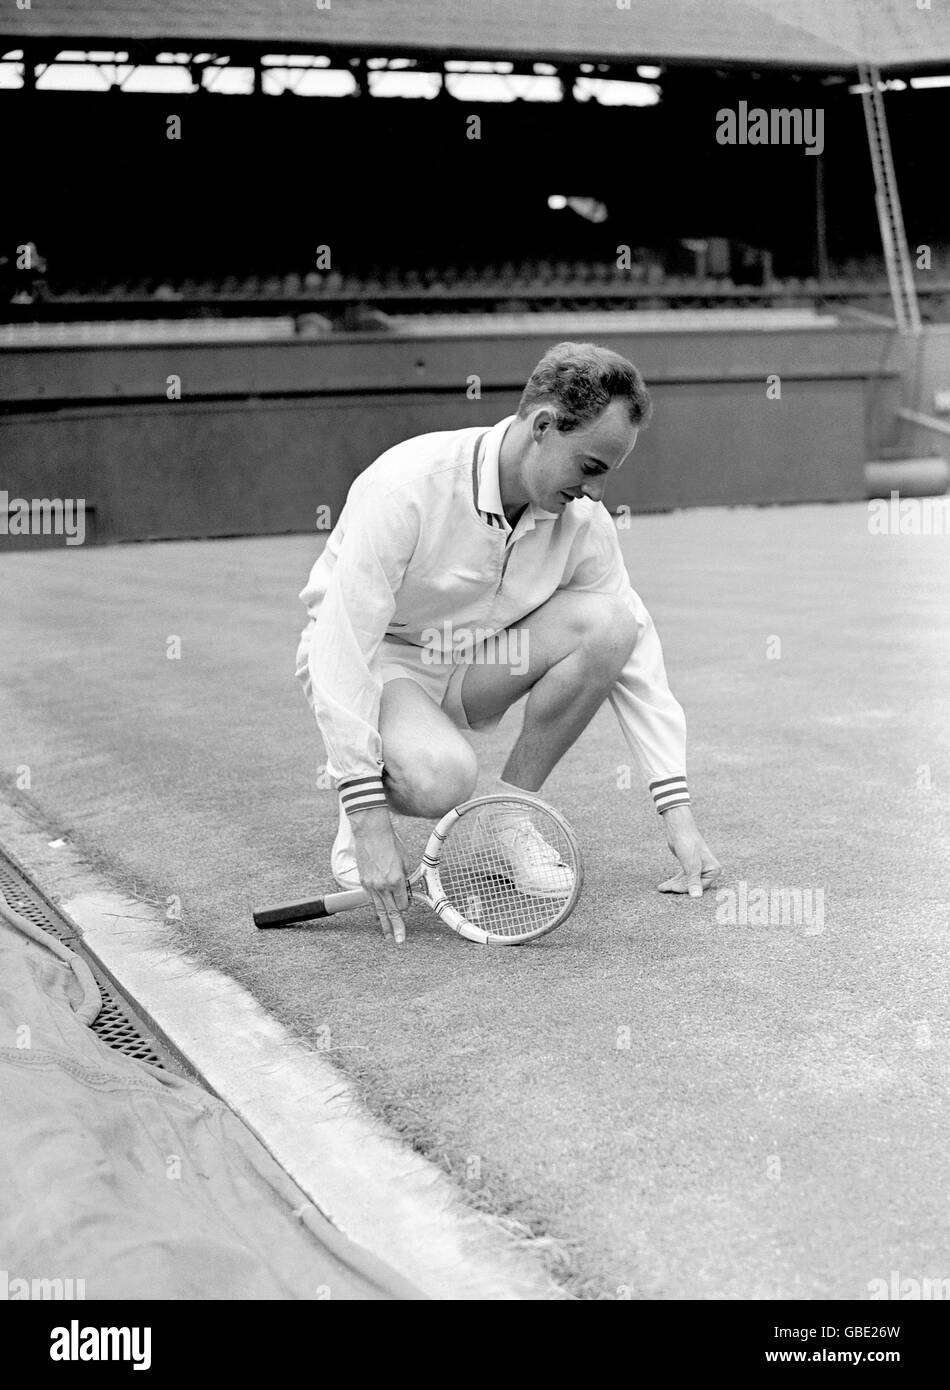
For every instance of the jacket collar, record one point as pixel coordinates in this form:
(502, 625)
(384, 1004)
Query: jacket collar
(489, 488)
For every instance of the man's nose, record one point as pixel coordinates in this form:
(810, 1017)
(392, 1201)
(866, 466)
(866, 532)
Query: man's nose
(594, 489)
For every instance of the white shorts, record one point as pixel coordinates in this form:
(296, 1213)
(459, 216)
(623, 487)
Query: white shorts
(441, 681)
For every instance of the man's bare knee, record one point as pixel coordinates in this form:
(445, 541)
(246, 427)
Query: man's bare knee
(605, 629)
(432, 780)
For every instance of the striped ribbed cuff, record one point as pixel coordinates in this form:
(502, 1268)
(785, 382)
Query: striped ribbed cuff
(669, 792)
(360, 793)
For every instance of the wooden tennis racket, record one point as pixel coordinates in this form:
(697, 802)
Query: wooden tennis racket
(499, 870)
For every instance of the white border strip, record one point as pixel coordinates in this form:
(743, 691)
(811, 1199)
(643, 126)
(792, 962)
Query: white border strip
(372, 1187)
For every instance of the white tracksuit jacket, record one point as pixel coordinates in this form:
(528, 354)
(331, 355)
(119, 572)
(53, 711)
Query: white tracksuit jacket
(422, 544)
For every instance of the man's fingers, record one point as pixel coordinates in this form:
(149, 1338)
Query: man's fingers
(676, 884)
(398, 904)
(398, 925)
(693, 870)
(711, 874)
(382, 913)
(683, 882)
(389, 912)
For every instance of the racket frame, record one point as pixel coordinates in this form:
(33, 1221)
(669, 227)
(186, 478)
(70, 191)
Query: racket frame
(426, 883)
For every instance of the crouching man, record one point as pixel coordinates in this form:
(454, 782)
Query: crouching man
(493, 543)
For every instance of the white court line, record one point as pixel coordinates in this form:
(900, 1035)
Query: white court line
(372, 1187)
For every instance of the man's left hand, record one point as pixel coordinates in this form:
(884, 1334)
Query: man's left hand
(699, 867)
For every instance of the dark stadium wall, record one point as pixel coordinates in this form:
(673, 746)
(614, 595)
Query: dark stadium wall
(268, 432)
(255, 185)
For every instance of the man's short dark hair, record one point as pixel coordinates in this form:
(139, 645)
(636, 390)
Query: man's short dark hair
(580, 380)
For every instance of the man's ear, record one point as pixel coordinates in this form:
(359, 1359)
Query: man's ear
(544, 419)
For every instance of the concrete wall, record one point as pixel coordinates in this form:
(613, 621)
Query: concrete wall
(926, 389)
(267, 432)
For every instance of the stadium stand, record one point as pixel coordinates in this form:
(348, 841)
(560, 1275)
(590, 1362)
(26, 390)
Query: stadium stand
(533, 286)
(453, 259)
(711, 243)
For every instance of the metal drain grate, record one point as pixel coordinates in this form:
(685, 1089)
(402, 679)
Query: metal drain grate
(117, 1024)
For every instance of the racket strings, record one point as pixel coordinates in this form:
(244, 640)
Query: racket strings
(508, 868)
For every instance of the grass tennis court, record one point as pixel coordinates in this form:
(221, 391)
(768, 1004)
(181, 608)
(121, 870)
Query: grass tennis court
(679, 1105)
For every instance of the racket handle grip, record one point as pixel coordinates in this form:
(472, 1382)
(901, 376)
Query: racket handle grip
(288, 914)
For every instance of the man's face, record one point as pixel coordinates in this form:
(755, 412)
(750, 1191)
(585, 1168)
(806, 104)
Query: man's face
(562, 467)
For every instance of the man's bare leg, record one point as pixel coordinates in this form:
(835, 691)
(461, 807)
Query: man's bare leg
(428, 768)
(576, 646)
(429, 765)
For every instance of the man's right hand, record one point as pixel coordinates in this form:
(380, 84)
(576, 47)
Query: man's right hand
(381, 860)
